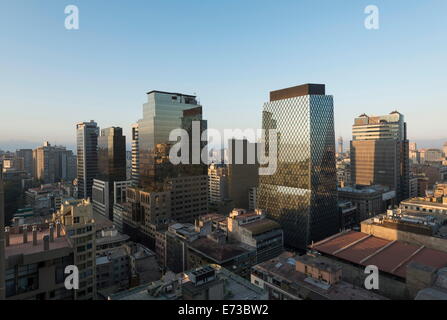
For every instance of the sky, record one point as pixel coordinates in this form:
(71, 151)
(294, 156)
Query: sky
(230, 53)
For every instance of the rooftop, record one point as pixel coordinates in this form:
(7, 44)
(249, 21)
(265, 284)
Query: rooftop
(389, 256)
(219, 253)
(283, 267)
(261, 226)
(365, 189)
(17, 246)
(171, 93)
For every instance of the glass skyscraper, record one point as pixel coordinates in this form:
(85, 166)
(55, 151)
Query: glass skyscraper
(111, 169)
(165, 192)
(301, 194)
(87, 157)
(163, 113)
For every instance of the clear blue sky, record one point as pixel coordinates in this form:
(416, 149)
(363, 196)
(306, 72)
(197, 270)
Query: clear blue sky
(231, 53)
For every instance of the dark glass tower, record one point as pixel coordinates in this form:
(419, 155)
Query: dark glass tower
(163, 113)
(112, 155)
(166, 192)
(87, 157)
(301, 194)
(111, 168)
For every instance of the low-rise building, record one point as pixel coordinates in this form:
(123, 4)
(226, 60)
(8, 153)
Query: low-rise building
(404, 268)
(307, 277)
(210, 282)
(348, 215)
(369, 200)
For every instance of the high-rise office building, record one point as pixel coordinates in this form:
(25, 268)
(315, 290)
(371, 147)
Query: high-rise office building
(111, 168)
(2, 236)
(444, 149)
(87, 157)
(217, 183)
(431, 155)
(414, 154)
(340, 145)
(27, 156)
(301, 194)
(380, 152)
(243, 171)
(53, 164)
(186, 184)
(135, 171)
(163, 113)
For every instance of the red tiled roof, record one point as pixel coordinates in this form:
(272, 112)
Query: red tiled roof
(389, 256)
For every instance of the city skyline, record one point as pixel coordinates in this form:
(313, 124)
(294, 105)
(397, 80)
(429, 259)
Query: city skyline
(237, 60)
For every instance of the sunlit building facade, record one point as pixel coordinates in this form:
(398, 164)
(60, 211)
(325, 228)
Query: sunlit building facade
(301, 194)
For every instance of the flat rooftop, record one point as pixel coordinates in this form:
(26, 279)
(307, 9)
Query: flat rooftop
(172, 93)
(261, 226)
(17, 246)
(298, 91)
(389, 256)
(284, 268)
(420, 201)
(220, 253)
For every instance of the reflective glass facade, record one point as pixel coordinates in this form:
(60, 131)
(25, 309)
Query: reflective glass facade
(112, 155)
(162, 113)
(87, 157)
(301, 195)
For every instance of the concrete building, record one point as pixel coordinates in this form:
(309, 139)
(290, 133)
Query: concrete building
(76, 219)
(344, 173)
(435, 172)
(410, 226)
(145, 213)
(380, 152)
(119, 198)
(210, 282)
(27, 156)
(414, 154)
(242, 170)
(87, 157)
(431, 155)
(237, 242)
(301, 194)
(256, 230)
(110, 239)
(217, 184)
(35, 263)
(252, 198)
(53, 164)
(340, 149)
(307, 277)
(135, 156)
(418, 185)
(369, 201)
(349, 215)
(113, 271)
(47, 198)
(403, 266)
